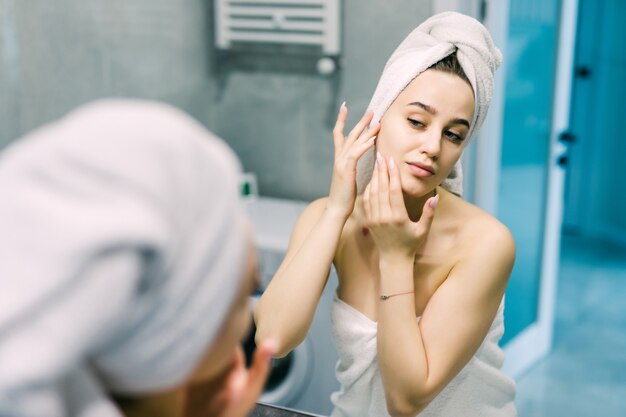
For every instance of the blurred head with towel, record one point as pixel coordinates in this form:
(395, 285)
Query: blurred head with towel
(125, 266)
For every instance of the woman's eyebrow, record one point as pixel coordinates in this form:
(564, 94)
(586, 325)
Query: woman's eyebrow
(430, 109)
(460, 122)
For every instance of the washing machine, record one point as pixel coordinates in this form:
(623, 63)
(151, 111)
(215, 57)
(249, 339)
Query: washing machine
(304, 379)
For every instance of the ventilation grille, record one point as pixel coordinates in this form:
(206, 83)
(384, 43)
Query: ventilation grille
(306, 22)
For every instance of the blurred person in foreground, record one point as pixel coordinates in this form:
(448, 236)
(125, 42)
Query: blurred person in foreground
(125, 268)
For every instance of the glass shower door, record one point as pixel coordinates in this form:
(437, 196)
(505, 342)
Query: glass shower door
(538, 56)
(524, 170)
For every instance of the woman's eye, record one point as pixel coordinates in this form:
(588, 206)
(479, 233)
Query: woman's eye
(416, 123)
(454, 137)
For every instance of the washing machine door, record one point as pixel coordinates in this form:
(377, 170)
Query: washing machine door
(289, 376)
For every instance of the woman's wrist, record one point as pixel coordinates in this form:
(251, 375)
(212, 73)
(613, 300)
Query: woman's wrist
(394, 259)
(396, 273)
(336, 214)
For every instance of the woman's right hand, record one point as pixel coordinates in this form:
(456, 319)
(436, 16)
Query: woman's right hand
(348, 150)
(235, 392)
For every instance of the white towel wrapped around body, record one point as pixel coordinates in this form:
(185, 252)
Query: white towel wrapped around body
(433, 40)
(121, 253)
(481, 389)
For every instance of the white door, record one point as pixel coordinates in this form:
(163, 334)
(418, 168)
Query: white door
(515, 161)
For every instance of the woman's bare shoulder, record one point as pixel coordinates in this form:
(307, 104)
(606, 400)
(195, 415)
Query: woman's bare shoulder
(486, 246)
(480, 226)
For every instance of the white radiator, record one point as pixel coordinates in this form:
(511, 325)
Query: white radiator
(305, 22)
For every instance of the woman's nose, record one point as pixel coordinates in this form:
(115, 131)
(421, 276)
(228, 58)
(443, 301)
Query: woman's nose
(431, 144)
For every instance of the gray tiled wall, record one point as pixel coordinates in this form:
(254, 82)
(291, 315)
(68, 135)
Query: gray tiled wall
(57, 55)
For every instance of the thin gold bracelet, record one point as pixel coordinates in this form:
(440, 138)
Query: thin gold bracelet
(386, 297)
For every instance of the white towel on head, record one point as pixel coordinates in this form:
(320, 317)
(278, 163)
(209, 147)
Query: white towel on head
(433, 40)
(121, 253)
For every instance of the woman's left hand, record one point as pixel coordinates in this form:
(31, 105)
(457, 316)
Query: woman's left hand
(387, 218)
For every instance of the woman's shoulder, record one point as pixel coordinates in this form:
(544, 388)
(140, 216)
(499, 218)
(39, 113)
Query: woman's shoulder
(479, 226)
(485, 245)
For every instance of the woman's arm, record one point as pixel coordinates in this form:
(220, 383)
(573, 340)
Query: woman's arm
(418, 359)
(287, 306)
(286, 309)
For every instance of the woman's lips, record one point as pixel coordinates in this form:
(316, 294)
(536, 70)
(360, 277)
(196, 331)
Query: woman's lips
(420, 170)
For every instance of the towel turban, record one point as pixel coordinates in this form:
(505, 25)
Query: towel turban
(433, 40)
(122, 250)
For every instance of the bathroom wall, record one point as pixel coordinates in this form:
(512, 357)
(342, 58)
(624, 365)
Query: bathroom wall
(57, 55)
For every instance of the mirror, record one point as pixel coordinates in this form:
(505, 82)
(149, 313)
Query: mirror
(276, 114)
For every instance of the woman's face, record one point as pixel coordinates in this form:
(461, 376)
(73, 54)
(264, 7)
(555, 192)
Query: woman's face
(237, 322)
(425, 128)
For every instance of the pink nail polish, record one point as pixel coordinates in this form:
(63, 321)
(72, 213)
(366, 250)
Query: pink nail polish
(379, 158)
(392, 164)
(272, 344)
(433, 201)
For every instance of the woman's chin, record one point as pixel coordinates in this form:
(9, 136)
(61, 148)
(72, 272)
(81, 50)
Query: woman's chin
(418, 194)
(416, 188)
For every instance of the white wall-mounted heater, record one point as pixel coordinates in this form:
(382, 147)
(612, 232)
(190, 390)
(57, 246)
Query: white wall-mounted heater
(303, 22)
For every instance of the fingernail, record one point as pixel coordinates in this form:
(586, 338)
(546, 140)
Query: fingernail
(238, 381)
(392, 165)
(342, 105)
(271, 346)
(379, 158)
(372, 139)
(433, 201)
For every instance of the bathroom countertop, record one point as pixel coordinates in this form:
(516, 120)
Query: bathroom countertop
(266, 410)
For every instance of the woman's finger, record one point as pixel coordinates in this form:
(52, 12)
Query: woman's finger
(246, 385)
(366, 203)
(371, 133)
(374, 197)
(384, 208)
(340, 124)
(259, 370)
(255, 378)
(428, 214)
(239, 374)
(357, 150)
(396, 200)
(360, 127)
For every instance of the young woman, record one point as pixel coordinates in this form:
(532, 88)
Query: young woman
(422, 273)
(125, 269)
